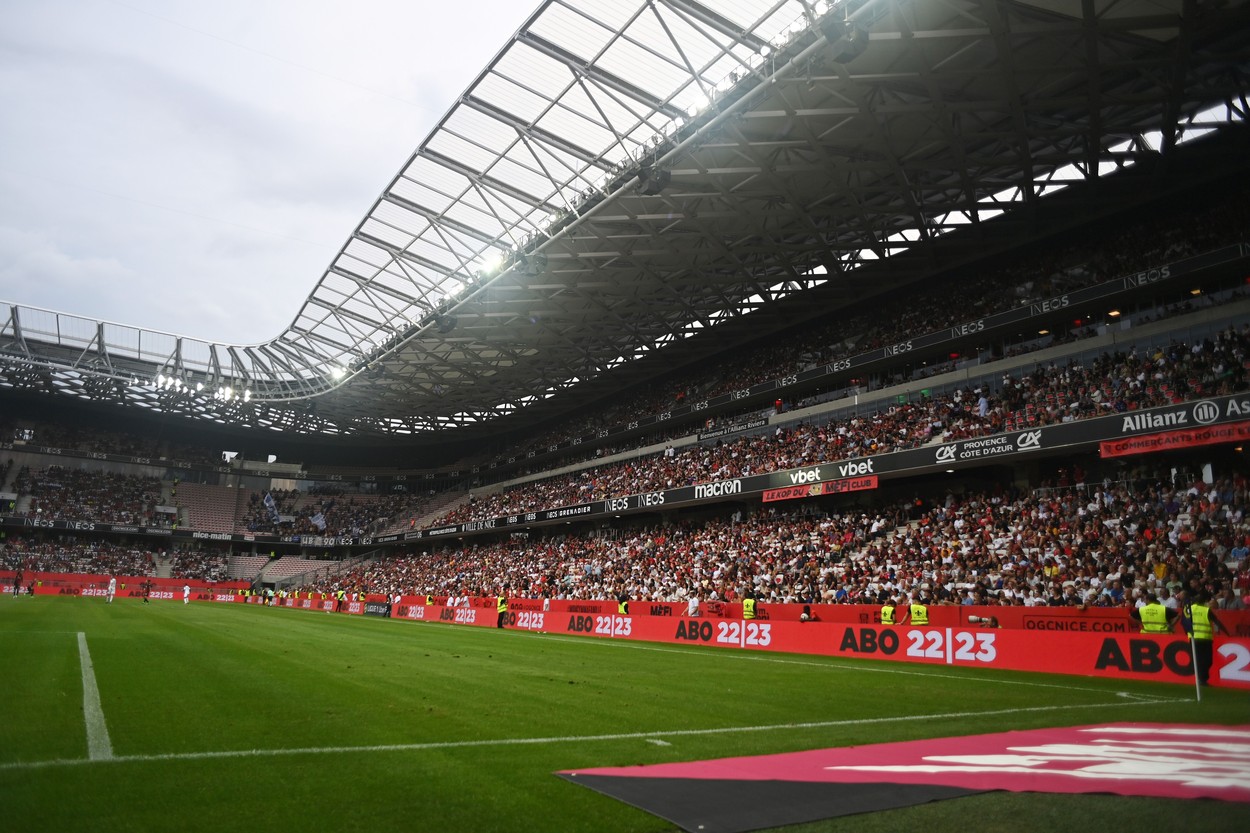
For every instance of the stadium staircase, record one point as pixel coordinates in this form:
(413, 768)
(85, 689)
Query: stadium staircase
(323, 571)
(280, 569)
(246, 567)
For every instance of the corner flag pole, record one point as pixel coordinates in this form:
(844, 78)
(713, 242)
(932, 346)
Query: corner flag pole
(1193, 658)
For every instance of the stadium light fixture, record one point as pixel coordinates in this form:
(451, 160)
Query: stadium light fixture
(490, 264)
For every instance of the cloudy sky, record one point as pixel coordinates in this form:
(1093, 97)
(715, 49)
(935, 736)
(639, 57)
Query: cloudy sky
(193, 167)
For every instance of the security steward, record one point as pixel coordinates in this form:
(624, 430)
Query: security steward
(1205, 626)
(748, 606)
(1154, 617)
(622, 604)
(887, 611)
(501, 607)
(918, 611)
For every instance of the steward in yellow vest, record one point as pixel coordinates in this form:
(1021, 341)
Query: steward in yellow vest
(748, 607)
(918, 611)
(501, 607)
(1203, 627)
(1154, 617)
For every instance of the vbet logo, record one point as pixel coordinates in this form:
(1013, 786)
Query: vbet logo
(1029, 441)
(853, 468)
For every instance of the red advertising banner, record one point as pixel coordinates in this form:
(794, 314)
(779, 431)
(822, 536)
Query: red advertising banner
(829, 487)
(1100, 642)
(1231, 432)
(1156, 658)
(85, 581)
(480, 617)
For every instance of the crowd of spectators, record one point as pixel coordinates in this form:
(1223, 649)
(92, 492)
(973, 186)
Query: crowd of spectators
(1052, 393)
(1105, 545)
(200, 564)
(1112, 383)
(74, 555)
(325, 511)
(1165, 236)
(102, 441)
(1047, 394)
(103, 496)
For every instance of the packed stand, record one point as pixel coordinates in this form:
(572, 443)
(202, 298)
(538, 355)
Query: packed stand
(102, 496)
(1081, 545)
(75, 556)
(82, 438)
(200, 564)
(325, 511)
(1112, 383)
(1165, 237)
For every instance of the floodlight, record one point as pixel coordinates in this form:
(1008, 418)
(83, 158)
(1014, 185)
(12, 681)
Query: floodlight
(491, 263)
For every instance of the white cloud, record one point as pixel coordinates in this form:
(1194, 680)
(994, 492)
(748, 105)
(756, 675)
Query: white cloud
(193, 167)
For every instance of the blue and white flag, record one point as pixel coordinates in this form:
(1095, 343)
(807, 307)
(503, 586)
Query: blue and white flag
(272, 506)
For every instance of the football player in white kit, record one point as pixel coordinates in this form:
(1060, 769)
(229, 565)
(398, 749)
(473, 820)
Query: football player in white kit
(112, 591)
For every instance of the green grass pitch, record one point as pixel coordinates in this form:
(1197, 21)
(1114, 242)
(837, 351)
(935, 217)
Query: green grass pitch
(225, 717)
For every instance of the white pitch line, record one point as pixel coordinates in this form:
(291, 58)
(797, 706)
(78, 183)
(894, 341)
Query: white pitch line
(469, 744)
(98, 746)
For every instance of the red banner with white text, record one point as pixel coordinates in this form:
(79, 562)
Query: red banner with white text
(1232, 432)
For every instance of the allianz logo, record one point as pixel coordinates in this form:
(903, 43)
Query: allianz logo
(1206, 412)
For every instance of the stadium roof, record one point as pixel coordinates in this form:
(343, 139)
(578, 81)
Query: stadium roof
(627, 174)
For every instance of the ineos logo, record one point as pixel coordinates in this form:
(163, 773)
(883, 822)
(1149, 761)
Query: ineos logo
(1206, 413)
